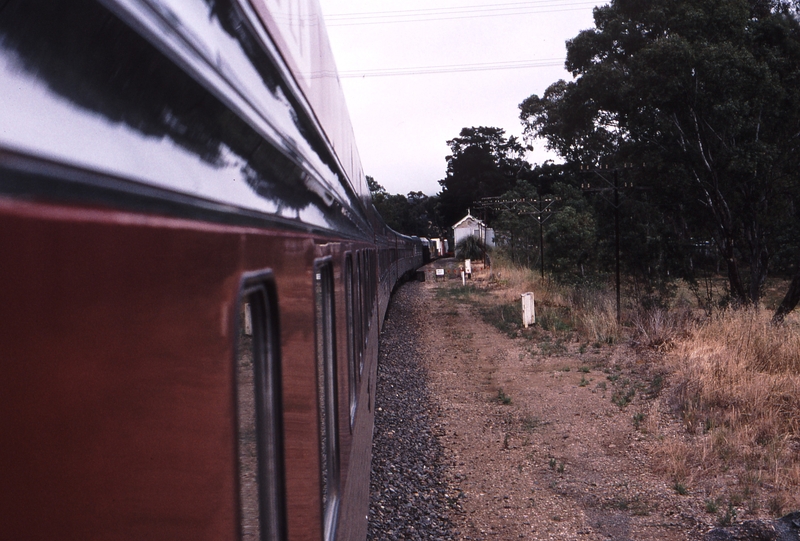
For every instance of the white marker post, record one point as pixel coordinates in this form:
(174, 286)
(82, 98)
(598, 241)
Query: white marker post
(528, 309)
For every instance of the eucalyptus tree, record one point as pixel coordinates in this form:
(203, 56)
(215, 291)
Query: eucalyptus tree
(516, 230)
(482, 163)
(706, 94)
(415, 214)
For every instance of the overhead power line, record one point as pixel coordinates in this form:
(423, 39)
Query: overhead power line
(453, 68)
(464, 12)
(474, 7)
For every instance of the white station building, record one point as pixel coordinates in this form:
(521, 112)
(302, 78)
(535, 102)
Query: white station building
(469, 225)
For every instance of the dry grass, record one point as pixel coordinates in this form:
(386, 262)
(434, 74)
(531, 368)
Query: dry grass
(658, 328)
(734, 379)
(513, 281)
(596, 315)
(591, 312)
(737, 385)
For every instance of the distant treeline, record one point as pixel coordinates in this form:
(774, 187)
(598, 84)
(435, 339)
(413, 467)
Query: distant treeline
(693, 108)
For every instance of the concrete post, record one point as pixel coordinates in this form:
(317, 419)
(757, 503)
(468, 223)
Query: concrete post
(528, 309)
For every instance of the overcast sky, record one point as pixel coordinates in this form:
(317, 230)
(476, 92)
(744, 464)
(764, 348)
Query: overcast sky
(402, 122)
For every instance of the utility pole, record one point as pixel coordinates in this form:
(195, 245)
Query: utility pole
(483, 230)
(541, 208)
(611, 185)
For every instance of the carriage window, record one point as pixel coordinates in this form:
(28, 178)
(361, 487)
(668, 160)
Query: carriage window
(369, 295)
(358, 314)
(352, 357)
(364, 297)
(327, 393)
(262, 517)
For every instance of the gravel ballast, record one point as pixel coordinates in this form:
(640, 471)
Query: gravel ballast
(408, 490)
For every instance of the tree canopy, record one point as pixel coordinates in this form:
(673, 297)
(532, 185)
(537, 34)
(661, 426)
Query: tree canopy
(414, 214)
(482, 163)
(705, 94)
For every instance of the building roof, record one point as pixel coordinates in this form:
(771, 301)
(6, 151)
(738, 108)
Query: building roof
(467, 217)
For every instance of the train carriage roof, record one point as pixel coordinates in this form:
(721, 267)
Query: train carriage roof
(178, 98)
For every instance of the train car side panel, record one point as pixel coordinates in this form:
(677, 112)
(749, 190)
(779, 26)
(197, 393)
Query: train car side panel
(121, 398)
(159, 162)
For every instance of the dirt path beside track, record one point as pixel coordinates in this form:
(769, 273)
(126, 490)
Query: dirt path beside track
(541, 443)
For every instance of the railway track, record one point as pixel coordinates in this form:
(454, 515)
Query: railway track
(409, 496)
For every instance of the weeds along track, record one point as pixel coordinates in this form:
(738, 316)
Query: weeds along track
(567, 429)
(738, 389)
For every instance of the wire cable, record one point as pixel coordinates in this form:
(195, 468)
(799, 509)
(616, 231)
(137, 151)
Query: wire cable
(453, 68)
(446, 14)
(447, 10)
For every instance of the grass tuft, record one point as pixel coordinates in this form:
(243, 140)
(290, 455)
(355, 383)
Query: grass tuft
(737, 380)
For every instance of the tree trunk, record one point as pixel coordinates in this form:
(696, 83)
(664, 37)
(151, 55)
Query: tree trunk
(789, 301)
(759, 254)
(734, 278)
(758, 273)
(725, 238)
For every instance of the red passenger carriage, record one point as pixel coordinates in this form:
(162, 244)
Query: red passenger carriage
(167, 168)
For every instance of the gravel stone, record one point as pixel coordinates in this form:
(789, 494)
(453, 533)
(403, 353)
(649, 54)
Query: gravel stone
(408, 488)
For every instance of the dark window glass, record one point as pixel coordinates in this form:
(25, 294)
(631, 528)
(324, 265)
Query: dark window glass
(262, 517)
(327, 393)
(359, 313)
(365, 296)
(352, 356)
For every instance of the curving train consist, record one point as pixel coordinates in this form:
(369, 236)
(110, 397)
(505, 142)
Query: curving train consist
(192, 277)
